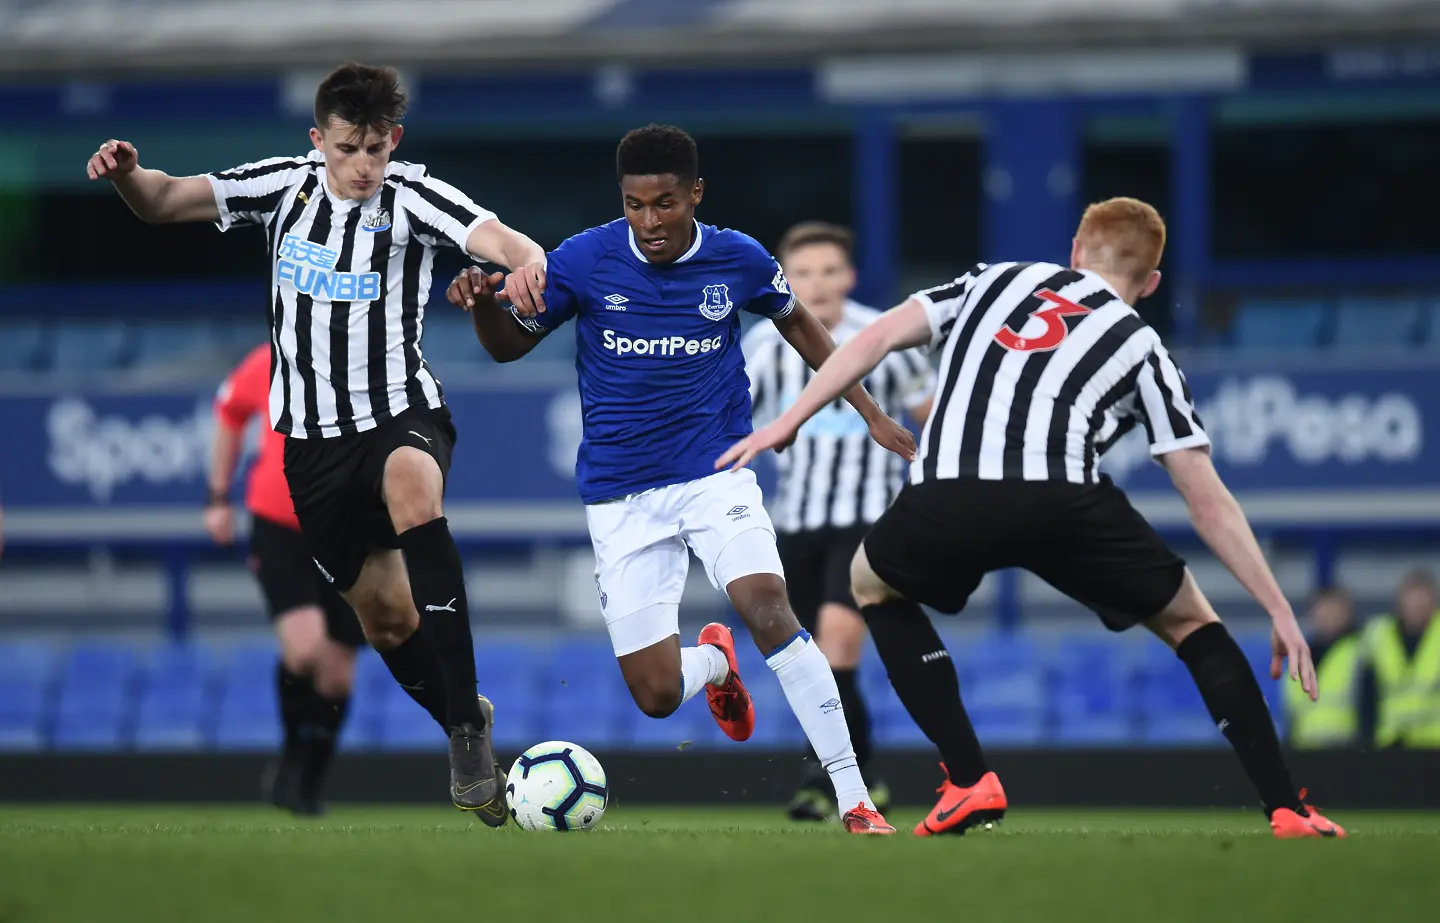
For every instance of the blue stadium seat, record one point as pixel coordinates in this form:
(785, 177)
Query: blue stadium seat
(171, 342)
(362, 733)
(22, 713)
(1377, 323)
(89, 731)
(1430, 334)
(242, 731)
(97, 688)
(1279, 326)
(85, 346)
(23, 346)
(1082, 730)
(449, 342)
(411, 729)
(1176, 729)
(31, 661)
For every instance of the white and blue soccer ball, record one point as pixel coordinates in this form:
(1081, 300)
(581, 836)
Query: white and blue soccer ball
(557, 785)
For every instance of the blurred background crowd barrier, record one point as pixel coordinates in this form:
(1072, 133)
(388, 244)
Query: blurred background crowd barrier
(1291, 146)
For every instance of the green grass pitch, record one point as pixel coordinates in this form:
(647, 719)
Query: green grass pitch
(78, 864)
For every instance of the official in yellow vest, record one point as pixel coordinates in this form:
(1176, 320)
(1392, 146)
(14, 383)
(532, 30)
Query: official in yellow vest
(1403, 651)
(1335, 645)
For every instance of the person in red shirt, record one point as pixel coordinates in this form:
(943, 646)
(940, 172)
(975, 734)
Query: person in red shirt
(318, 631)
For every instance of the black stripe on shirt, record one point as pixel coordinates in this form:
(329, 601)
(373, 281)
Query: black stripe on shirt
(440, 203)
(957, 359)
(291, 163)
(1029, 379)
(973, 435)
(1109, 399)
(340, 332)
(279, 365)
(375, 321)
(304, 316)
(410, 319)
(258, 204)
(1179, 425)
(1089, 365)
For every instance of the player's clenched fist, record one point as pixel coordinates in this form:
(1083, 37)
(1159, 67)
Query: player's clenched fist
(470, 285)
(115, 158)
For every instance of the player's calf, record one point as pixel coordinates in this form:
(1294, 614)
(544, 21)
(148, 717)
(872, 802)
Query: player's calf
(653, 676)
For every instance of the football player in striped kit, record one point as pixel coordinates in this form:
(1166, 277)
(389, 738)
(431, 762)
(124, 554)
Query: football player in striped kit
(834, 480)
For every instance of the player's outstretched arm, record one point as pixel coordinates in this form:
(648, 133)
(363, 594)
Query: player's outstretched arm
(499, 331)
(154, 196)
(498, 243)
(843, 370)
(1221, 523)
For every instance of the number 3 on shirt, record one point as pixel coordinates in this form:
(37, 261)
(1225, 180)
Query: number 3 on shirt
(1055, 309)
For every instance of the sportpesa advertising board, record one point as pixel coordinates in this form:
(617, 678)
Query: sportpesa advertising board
(1365, 439)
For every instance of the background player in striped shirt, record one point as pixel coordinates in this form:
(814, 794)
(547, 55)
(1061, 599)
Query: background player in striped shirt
(834, 481)
(317, 630)
(1042, 369)
(352, 236)
(656, 298)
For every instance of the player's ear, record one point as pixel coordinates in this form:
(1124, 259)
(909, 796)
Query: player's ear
(317, 138)
(1077, 253)
(697, 192)
(1151, 284)
(395, 134)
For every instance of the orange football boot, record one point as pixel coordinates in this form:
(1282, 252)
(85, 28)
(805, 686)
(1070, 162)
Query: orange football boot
(959, 809)
(1292, 825)
(730, 703)
(866, 822)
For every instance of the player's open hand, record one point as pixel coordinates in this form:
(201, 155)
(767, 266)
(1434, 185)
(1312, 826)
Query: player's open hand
(893, 435)
(1287, 645)
(472, 285)
(114, 159)
(525, 290)
(777, 435)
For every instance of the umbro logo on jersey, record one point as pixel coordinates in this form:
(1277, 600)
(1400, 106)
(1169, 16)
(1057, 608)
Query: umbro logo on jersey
(378, 220)
(616, 302)
(716, 304)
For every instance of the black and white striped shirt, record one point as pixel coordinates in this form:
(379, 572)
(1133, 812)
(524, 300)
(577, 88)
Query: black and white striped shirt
(349, 282)
(835, 475)
(1042, 370)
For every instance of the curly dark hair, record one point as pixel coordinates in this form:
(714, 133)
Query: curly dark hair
(368, 97)
(655, 150)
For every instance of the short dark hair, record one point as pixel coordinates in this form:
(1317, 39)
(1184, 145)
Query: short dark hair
(807, 233)
(368, 97)
(655, 150)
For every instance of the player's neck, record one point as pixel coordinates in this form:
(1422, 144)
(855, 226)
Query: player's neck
(1128, 291)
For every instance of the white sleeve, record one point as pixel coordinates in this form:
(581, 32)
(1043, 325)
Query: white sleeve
(943, 303)
(1167, 407)
(249, 194)
(440, 213)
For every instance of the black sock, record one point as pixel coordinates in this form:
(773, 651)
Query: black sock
(1234, 700)
(924, 678)
(437, 582)
(294, 693)
(857, 721)
(327, 716)
(416, 668)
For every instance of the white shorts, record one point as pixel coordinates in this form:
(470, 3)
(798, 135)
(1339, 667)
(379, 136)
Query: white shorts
(641, 556)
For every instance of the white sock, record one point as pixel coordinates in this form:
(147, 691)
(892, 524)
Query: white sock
(699, 666)
(810, 688)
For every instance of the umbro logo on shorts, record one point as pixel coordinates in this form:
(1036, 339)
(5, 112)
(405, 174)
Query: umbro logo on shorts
(738, 513)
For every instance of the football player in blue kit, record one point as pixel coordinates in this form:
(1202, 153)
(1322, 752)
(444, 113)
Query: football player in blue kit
(655, 298)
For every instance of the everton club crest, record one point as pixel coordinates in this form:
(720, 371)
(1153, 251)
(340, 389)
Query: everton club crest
(716, 304)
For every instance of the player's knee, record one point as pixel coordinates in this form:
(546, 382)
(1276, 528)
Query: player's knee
(841, 635)
(867, 588)
(386, 622)
(413, 487)
(770, 619)
(1186, 613)
(657, 697)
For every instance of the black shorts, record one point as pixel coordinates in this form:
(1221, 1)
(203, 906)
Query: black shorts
(336, 484)
(817, 569)
(290, 580)
(939, 539)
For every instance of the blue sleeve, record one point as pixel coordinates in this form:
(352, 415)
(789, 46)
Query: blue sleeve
(768, 291)
(566, 268)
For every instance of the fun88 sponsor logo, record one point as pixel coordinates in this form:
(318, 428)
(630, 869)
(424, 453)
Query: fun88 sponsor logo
(310, 267)
(660, 346)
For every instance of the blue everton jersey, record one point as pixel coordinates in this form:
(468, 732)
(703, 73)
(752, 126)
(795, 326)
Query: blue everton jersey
(662, 378)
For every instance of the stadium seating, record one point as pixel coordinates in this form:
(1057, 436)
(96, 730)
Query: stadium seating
(1081, 690)
(1280, 326)
(1374, 323)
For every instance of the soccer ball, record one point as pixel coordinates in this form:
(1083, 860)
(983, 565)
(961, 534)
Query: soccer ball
(557, 786)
